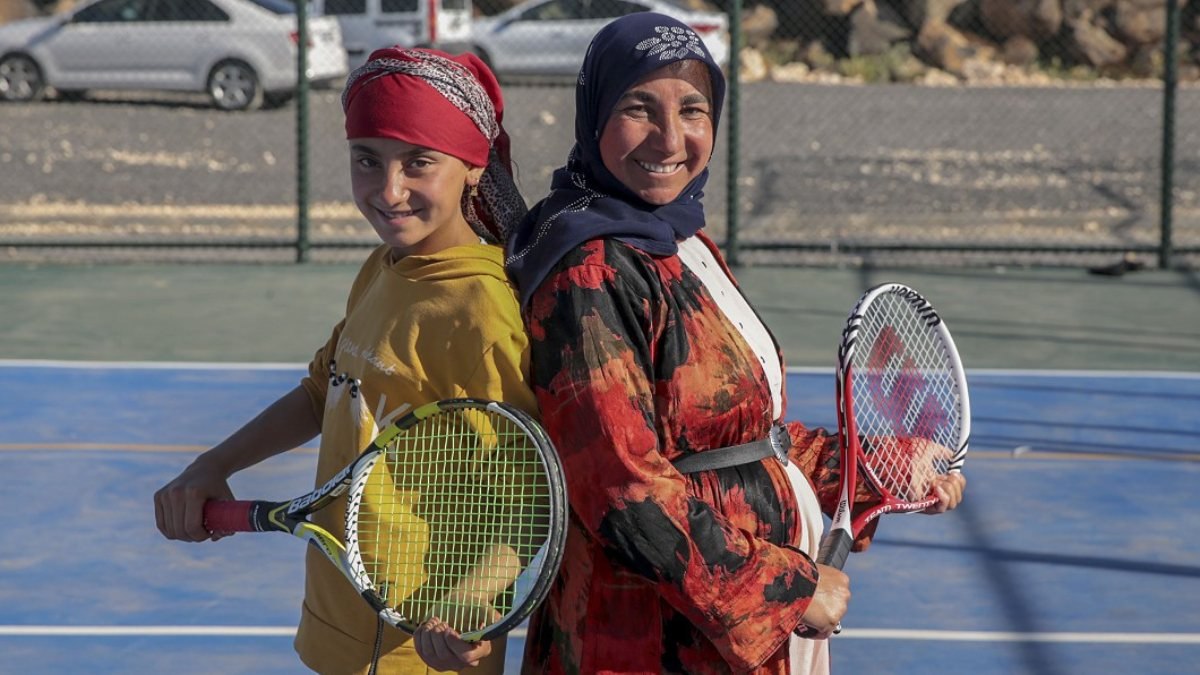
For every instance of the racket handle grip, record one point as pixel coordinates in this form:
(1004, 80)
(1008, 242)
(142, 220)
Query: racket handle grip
(835, 548)
(230, 516)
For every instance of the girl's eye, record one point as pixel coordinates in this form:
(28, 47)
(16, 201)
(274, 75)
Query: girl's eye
(366, 162)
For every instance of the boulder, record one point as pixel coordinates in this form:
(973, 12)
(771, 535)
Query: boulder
(1140, 22)
(1019, 51)
(1035, 19)
(943, 47)
(841, 7)
(758, 25)
(873, 29)
(1093, 45)
(920, 12)
(16, 9)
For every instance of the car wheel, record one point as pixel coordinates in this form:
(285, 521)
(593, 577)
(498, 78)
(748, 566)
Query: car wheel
(233, 85)
(20, 79)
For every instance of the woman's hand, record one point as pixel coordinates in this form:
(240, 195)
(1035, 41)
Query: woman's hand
(925, 480)
(440, 647)
(949, 490)
(179, 505)
(829, 603)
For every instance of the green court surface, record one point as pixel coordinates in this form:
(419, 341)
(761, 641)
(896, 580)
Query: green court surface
(1055, 319)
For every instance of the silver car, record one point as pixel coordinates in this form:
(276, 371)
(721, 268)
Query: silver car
(242, 53)
(550, 37)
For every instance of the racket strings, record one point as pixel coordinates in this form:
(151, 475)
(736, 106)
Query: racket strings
(905, 396)
(452, 516)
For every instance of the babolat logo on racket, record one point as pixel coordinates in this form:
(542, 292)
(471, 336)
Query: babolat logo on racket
(332, 488)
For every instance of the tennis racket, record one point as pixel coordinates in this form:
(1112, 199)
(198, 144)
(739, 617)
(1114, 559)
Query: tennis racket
(458, 510)
(904, 417)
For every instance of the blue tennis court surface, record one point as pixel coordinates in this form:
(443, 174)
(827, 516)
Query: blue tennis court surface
(1073, 555)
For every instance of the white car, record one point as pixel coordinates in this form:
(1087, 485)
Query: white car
(368, 25)
(240, 52)
(550, 37)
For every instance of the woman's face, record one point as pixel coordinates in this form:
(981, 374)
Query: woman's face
(411, 195)
(660, 133)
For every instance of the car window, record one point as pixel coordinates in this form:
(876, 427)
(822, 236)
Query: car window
(554, 10)
(344, 7)
(387, 6)
(109, 11)
(456, 4)
(277, 6)
(187, 10)
(610, 9)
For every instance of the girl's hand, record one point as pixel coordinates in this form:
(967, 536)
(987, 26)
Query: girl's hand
(179, 505)
(440, 647)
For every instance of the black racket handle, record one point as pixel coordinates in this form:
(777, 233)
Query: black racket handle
(835, 548)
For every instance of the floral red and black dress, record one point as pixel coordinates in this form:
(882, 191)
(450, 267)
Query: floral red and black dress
(635, 365)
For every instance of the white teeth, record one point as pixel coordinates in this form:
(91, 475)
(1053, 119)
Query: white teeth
(659, 168)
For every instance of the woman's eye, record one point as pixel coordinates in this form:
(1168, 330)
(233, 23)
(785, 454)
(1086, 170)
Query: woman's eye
(637, 111)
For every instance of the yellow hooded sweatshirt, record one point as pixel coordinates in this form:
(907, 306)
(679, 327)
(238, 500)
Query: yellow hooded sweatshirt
(416, 330)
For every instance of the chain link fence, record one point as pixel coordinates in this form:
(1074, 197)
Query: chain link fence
(998, 131)
(931, 132)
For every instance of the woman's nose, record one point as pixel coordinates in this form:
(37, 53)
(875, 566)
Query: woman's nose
(670, 134)
(394, 189)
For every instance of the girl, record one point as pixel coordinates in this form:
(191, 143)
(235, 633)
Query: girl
(431, 315)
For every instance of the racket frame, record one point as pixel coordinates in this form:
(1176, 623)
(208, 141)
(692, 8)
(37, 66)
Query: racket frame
(292, 516)
(836, 545)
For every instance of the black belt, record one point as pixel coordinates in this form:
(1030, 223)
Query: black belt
(776, 443)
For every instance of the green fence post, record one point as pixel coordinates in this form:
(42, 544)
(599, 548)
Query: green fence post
(733, 126)
(1170, 76)
(302, 243)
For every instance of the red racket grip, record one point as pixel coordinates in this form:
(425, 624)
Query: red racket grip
(229, 516)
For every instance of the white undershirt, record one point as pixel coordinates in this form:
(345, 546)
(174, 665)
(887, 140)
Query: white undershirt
(699, 259)
(807, 657)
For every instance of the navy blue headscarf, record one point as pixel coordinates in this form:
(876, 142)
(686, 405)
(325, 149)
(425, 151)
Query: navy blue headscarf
(586, 201)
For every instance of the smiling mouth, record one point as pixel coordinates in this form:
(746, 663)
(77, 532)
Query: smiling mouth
(395, 215)
(662, 169)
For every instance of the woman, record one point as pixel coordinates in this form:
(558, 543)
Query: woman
(431, 315)
(645, 356)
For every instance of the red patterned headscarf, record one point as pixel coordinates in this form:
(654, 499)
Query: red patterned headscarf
(451, 104)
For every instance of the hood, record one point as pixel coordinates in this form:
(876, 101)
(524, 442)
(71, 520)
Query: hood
(454, 263)
(18, 34)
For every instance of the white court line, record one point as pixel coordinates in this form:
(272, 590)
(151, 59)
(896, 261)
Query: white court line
(849, 633)
(1004, 636)
(147, 631)
(161, 631)
(1026, 372)
(148, 365)
(791, 370)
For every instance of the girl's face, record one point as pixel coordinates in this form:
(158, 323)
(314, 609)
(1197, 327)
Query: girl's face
(411, 195)
(660, 133)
